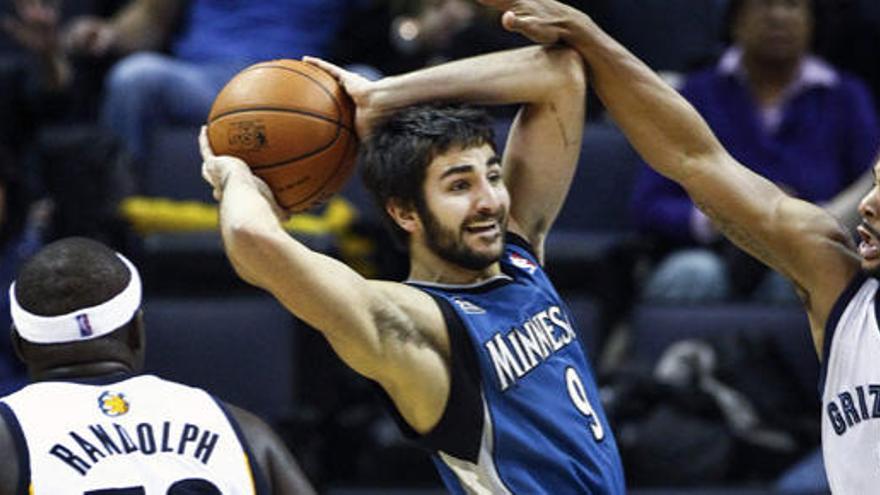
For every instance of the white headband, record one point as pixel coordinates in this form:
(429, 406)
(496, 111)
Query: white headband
(82, 324)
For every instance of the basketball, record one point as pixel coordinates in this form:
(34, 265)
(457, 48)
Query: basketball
(294, 126)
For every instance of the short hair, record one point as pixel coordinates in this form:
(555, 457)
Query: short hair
(734, 9)
(396, 156)
(70, 274)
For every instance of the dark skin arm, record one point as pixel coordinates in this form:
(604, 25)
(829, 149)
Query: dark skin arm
(9, 466)
(271, 456)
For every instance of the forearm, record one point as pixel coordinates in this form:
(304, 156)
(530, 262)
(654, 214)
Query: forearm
(660, 124)
(525, 75)
(307, 283)
(144, 24)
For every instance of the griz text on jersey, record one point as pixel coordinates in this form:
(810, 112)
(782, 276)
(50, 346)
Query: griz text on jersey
(523, 348)
(852, 407)
(85, 448)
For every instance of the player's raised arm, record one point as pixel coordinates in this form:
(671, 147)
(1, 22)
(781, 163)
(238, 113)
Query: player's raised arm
(388, 332)
(796, 238)
(544, 142)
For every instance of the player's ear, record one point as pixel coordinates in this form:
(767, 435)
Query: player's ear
(403, 213)
(16, 343)
(136, 336)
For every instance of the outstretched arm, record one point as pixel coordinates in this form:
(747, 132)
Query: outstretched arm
(544, 142)
(796, 238)
(388, 332)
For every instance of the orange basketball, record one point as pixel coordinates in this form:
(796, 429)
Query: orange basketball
(294, 126)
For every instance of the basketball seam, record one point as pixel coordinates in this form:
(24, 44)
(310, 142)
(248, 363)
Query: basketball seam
(329, 177)
(301, 157)
(281, 109)
(323, 88)
(339, 124)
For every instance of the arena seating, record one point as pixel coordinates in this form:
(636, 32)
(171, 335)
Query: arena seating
(242, 349)
(655, 328)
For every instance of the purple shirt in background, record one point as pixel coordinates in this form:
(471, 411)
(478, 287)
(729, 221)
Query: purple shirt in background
(821, 138)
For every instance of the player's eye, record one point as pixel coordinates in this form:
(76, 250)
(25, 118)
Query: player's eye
(459, 185)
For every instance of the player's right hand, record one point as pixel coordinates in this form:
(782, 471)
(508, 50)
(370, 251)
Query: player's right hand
(218, 170)
(88, 35)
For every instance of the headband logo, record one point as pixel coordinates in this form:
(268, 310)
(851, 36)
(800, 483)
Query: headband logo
(113, 404)
(85, 328)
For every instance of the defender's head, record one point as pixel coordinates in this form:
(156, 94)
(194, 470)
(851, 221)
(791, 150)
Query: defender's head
(434, 173)
(76, 305)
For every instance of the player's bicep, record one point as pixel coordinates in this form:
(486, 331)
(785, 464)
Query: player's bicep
(414, 354)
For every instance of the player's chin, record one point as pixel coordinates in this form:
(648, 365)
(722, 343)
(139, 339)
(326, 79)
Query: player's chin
(871, 267)
(490, 253)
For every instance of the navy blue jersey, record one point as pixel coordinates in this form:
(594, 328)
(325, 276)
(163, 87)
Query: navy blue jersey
(523, 415)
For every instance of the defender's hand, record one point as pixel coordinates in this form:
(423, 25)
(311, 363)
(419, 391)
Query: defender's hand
(541, 21)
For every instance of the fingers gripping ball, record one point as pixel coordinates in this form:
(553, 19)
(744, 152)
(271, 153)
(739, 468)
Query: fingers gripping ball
(293, 124)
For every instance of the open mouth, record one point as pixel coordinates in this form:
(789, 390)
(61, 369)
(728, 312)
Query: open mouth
(482, 228)
(869, 249)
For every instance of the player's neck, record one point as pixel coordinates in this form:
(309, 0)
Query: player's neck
(80, 371)
(426, 266)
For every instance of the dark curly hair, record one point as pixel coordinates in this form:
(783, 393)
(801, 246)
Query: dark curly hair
(395, 157)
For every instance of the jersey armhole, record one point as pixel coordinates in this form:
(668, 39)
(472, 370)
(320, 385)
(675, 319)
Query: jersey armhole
(459, 430)
(522, 243)
(833, 319)
(24, 461)
(261, 485)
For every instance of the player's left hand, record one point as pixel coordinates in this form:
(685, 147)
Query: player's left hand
(358, 87)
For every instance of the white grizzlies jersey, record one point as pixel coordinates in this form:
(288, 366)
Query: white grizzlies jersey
(851, 391)
(136, 435)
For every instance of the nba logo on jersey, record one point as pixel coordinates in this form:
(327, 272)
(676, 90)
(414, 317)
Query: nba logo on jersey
(469, 307)
(523, 263)
(85, 328)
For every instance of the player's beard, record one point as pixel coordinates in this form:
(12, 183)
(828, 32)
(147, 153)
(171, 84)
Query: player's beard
(449, 244)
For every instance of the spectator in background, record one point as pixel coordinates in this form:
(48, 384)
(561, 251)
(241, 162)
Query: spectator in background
(21, 235)
(207, 42)
(795, 119)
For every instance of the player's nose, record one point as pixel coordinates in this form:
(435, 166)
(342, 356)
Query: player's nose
(489, 197)
(868, 205)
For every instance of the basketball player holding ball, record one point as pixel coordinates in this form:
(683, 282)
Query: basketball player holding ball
(476, 351)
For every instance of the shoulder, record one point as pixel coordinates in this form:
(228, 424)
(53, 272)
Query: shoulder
(824, 250)
(271, 455)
